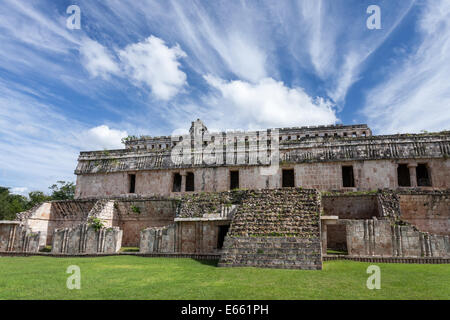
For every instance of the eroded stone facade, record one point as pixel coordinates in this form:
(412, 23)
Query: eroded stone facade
(329, 187)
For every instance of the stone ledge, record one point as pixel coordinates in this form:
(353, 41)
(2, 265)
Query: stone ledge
(418, 260)
(90, 255)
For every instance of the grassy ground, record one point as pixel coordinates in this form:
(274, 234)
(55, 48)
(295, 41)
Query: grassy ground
(130, 277)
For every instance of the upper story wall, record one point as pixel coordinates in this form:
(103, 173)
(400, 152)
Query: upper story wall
(316, 155)
(324, 176)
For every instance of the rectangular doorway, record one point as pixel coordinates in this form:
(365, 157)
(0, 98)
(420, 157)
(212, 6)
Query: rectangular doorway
(190, 182)
(132, 183)
(234, 180)
(288, 178)
(223, 230)
(348, 180)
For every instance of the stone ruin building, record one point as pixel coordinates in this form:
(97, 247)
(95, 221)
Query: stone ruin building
(271, 198)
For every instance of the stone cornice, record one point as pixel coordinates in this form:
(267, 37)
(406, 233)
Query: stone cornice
(316, 149)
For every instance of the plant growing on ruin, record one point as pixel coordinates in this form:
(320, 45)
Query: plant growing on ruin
(129, 138)
(95, 223)
(135, 209)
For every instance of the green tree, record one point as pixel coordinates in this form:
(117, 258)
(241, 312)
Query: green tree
(10, 204)
(37, 197)
(63, 190)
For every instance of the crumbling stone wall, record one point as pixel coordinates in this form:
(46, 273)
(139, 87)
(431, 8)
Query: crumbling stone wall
(133, 216)
(358, 206)
(158, 240)
(382, 238)
(48, 216)
(275, 228)
(428, 211)
(86, 239)
(103, 210)
(15, 237)
(198, 236)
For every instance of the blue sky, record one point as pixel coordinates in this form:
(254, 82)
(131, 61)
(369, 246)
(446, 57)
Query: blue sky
(151, 67)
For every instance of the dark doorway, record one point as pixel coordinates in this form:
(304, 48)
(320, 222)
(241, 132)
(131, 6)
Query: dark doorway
(176, 183)
(348, 180)
(423, 177)
(288, 178)
(190, 181)
(234, 180)
(336, 239)
(132, 183)
(223, 230)
(404, 179)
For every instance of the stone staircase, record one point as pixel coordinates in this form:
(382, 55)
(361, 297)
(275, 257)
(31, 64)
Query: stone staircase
(275, 228)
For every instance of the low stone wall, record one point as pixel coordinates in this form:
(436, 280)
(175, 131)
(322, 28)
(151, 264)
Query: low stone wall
(158, 240)
(15, 237)
(85, 239)
(275, 228)
(381, 238)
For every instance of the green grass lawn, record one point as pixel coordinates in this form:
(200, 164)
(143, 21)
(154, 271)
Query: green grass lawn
(131, 277)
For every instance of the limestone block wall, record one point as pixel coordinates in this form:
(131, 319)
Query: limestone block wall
(325, 176)
(48, 216)
(158, 240)
(369, 237)
(275, 228)
(428, 211)
(133, 216)
(101, 185)
(103, 210)
(351, 206)
(381, 238)
(15, 237)
(85, 239)
(198, 236)
(201, 204)
(37, 219)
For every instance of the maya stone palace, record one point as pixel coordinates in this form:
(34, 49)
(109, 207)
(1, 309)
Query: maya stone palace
(273, 198)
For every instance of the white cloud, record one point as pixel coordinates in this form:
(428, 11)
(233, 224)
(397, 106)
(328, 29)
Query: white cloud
(415, 94)
(228, 43)
(102, 137)
(23, 191)
(268, 103)
(39, 145)
(155, 64)
(97, 60)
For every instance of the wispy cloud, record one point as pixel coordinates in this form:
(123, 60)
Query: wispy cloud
(146, 67)
(40, 145)
(415, 94)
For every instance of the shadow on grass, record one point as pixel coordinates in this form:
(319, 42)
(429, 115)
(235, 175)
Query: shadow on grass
(211, 263)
